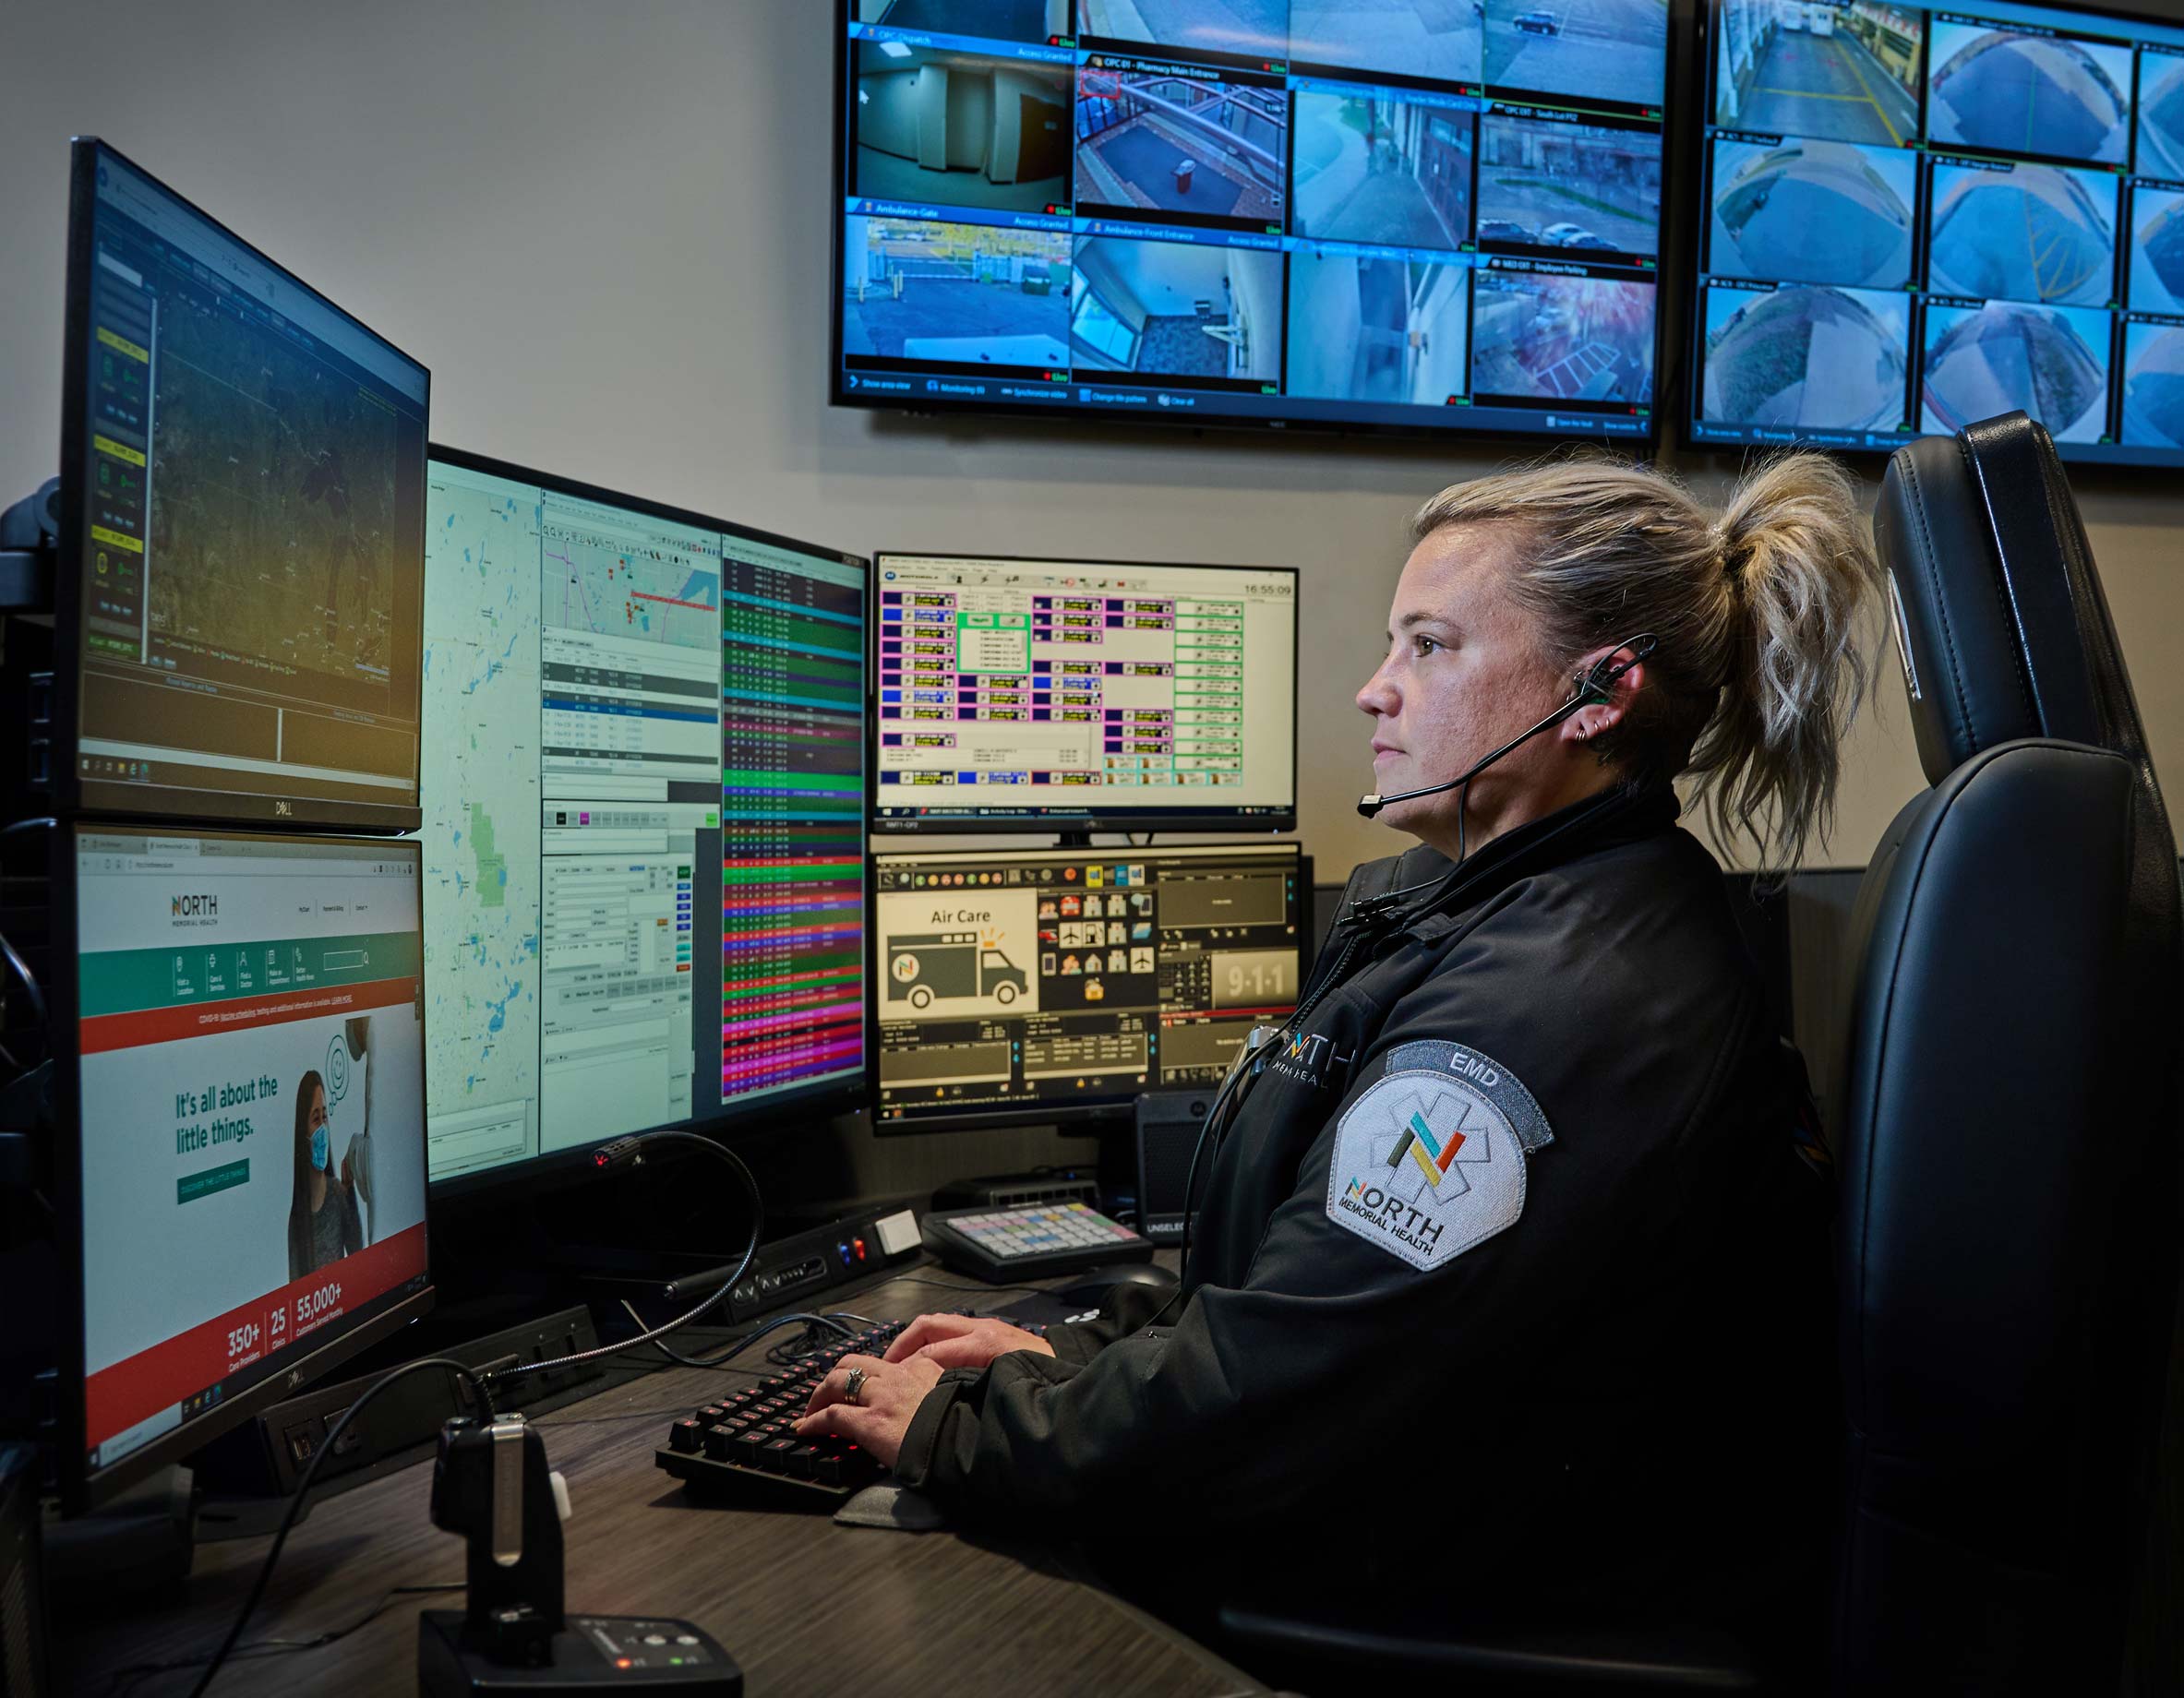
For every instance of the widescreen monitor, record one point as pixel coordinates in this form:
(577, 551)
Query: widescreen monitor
(242, 1036)
(1433, 216)
(1039, 985)
(1916, 216)
(643, 820)
(1074, 695)
(239, 600)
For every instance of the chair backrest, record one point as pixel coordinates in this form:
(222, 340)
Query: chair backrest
(2007, 1120)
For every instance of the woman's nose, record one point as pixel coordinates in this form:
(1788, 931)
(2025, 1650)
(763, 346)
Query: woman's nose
(1377, 696)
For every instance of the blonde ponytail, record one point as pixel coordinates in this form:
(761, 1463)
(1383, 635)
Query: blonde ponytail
(1764, 621)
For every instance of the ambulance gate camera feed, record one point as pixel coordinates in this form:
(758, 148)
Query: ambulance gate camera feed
(1921, 216)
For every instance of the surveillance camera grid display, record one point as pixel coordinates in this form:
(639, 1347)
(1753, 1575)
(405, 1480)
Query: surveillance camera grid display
(1919, 216)
(1293, 212)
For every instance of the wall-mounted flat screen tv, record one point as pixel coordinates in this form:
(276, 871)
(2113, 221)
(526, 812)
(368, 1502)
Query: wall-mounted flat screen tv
(1418, 215)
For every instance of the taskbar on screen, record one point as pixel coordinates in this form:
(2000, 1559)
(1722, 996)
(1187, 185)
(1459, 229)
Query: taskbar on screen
(911, 387)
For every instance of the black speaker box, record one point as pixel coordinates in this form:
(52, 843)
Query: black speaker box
(1168, 1125)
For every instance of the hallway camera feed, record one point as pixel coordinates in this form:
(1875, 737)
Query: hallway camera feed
(1382, 169)
(961, 129)
(1586, 187)
(1377, 329)
(2154, 386)
(2023, 233)
(1254, 28)
(2051, 361)
(1444, 39)
(1824, 72)
(992, 21)
(1813, 212)
(965, 295)
(1822, 359)
(1178, 310)
(1598, 50)
(2161, 114)
(1169, 143)
(1993, 88)
(2157, 251)
(1562, 337)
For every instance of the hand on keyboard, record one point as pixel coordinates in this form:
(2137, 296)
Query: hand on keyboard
(962, 1341)
(886, 1399)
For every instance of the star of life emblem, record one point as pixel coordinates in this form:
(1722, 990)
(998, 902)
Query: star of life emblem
(1432, 1159)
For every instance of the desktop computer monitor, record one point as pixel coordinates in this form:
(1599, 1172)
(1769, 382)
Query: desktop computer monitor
(242, 1043)
(644, 821)
(1083, 695)
(241, 530)
(1057, 985)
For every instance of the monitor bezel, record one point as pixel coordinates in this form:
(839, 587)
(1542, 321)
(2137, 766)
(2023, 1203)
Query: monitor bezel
(1700, 51)
(833, 1096)
(81, 1486)
(1078, 1120)
(166, 803)
(1253, 826)
(838, 395)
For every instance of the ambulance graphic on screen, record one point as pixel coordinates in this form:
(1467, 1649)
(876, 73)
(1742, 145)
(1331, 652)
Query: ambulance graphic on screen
(926, 967)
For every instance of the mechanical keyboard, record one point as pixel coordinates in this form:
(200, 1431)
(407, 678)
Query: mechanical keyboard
(743, 1448)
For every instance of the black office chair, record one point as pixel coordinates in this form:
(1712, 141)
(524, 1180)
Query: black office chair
(2010, 1208)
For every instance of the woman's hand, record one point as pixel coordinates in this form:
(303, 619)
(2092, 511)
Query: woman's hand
(962, 1341)
(886, 1399)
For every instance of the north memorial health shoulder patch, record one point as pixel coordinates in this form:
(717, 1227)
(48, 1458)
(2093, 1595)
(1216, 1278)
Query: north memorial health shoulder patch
(1431, 1160)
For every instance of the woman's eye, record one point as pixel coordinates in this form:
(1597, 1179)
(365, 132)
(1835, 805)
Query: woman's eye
(1423, 646)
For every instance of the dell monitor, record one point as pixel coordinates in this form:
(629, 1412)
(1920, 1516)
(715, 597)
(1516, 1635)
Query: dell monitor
(1057, 985)
(1440, 217)
(1021, 695)
(644, 821)
(239, 595)
(241, 1032)
(1915, 215)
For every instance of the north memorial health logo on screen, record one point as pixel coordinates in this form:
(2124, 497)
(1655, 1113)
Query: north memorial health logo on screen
(200, 907)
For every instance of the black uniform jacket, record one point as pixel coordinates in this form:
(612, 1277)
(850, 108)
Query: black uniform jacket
(1582, 1369)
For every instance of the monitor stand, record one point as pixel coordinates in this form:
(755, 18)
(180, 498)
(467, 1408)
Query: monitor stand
(1073, 839)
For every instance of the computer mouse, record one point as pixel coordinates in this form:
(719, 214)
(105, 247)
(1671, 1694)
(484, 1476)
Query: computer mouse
(1091, 1285)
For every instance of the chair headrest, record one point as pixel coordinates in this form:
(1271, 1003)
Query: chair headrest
(2003, 627)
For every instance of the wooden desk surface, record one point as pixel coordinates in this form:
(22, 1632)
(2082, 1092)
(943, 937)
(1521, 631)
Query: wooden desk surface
(806, 1607)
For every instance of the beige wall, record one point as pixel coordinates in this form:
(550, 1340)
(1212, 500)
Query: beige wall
(607, 229)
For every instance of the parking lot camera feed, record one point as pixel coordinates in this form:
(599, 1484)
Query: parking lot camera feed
(962, 129)
(2024, 232)
(1167, 142)
(1377, 329)
(1592, 50)
(1823, 359)
(2051, 361)
(1583, 187)
(2154, 386)
(1813, 211)
(1177, 309)
(1444, 39)
(1995, 89)
(2161, 114)
(961, 294)
(1562, 337)
(1853, 78)
(992, 20)
(1382, 169)
(1254, 28)
(2157, 251)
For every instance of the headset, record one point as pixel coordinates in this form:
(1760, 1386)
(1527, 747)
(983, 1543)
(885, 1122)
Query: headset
(1591, 686)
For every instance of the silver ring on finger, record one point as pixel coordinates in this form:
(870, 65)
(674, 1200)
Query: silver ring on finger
(854, 1384)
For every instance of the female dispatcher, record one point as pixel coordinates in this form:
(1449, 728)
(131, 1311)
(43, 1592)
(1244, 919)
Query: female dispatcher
(323, 1226)
(1505, 1281)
